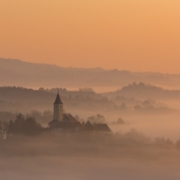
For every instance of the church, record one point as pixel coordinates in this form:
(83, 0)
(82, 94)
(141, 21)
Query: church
(67, 123)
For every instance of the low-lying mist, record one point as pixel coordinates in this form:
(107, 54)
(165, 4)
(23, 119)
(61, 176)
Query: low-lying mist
(144, 143)
(88, 156)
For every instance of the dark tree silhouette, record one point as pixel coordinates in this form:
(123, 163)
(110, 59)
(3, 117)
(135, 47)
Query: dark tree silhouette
(26, 126)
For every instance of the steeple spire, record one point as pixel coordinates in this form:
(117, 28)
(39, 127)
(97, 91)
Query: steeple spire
(58, 99)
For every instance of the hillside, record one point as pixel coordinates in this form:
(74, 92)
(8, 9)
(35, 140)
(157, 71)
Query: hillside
(18, 73)
(24, 100)
(18, 99)
(144, 91)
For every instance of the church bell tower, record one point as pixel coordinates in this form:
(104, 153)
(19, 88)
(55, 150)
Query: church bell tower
(58, 108)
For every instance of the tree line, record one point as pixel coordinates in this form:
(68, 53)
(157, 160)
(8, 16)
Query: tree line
(21, 125)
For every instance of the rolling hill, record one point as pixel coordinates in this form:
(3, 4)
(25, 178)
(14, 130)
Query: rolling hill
(14, 72)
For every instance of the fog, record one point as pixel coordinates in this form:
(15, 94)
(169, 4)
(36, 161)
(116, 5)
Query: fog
(77, 168)
(143, 115)
(52, 156)
(154, 117)
(153, 126)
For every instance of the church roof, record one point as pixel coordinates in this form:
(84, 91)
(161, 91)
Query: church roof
(88, 126)
(54, 121)
(69, 118)
(58, 100)
(68, 122)
(102, 127)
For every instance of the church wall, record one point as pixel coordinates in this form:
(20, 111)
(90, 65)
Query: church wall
(58, 112)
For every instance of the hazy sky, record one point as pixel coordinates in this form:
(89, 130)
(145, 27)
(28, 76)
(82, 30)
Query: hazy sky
(137, 35)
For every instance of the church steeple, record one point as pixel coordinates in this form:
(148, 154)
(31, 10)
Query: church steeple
(58, 108)
(58, 99)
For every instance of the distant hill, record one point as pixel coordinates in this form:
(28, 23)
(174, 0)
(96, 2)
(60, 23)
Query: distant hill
(144, 91)
(18, 73)
(18, 99)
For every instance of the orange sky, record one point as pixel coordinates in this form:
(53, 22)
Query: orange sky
(136, 35)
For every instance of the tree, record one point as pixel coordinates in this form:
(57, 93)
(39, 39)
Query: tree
(98, 118)
(26, 126)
